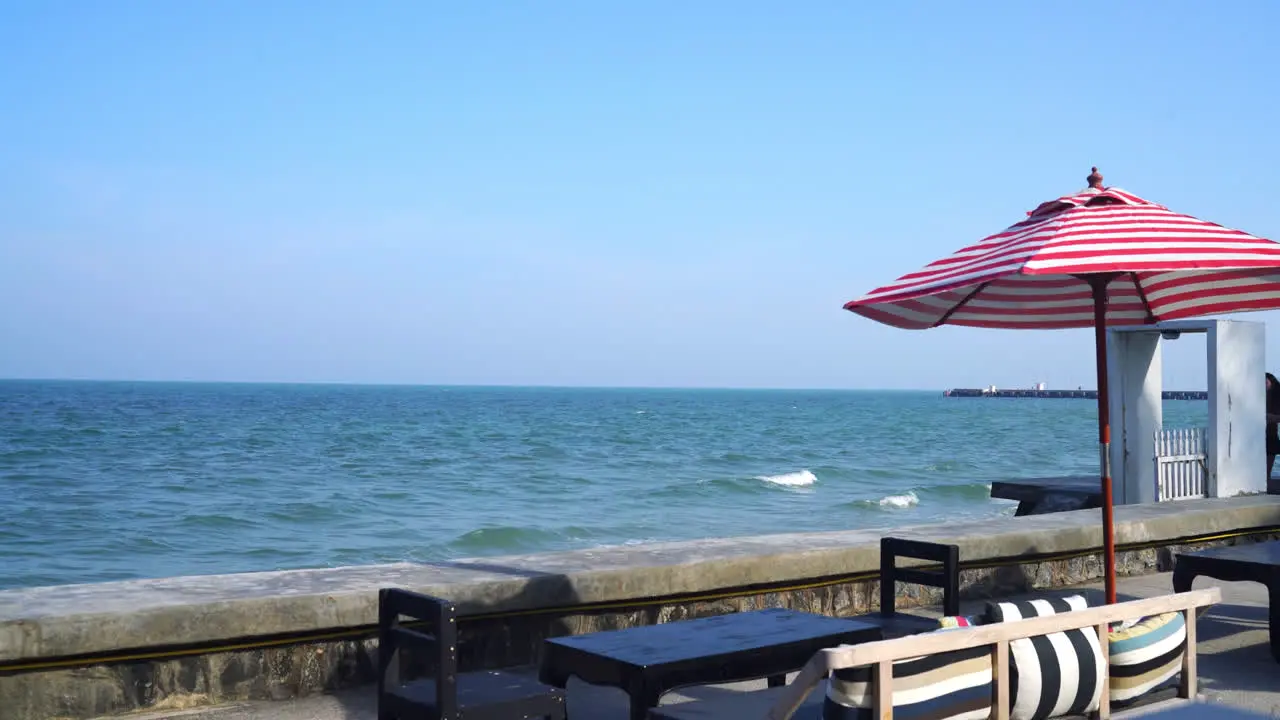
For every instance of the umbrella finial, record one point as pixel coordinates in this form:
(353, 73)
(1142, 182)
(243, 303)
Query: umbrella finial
(1095, 179)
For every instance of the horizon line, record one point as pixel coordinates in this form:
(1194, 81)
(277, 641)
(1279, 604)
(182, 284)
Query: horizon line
(494, 386)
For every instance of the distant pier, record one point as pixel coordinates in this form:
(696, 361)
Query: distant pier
(1062, 394)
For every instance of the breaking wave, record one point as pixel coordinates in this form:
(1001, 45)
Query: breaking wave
(803, 478)
(905, 500)
(891, 502)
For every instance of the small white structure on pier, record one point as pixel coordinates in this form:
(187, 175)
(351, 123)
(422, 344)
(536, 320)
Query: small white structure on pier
(1228, 458)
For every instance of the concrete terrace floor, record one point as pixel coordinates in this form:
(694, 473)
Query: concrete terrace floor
(1236, 667)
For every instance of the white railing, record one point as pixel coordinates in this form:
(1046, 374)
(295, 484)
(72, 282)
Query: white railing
(1181, 472)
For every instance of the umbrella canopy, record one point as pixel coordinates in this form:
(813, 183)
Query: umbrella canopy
(1097, 257)
(1036, 274)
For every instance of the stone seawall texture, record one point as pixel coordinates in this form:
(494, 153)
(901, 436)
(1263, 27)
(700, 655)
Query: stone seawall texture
(296, 669)
(87, 650)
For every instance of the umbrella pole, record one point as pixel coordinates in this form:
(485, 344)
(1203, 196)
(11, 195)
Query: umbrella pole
(1098, 283)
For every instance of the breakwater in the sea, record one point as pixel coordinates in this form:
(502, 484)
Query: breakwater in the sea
(1061, 394)
(86, 650)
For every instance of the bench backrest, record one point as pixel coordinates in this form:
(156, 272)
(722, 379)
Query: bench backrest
(946, 577)
(881, 655)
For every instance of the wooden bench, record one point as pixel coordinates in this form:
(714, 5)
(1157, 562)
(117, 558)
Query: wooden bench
(881, 655)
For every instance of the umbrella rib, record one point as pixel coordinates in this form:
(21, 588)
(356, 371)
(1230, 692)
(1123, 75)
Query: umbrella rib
(955, 308)
(1142, 295)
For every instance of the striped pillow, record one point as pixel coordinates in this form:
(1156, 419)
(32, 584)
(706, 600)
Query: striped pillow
(1055, 674)
(948, 686)
(1145, 655)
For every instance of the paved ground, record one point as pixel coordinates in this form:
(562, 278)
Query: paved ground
(1236, 667)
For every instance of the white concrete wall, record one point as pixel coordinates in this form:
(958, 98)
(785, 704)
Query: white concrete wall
(1237, 405)
(1237, 408)
(1134, 374)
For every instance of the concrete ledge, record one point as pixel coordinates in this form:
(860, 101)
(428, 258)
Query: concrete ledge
(71, 620)
(85, 650)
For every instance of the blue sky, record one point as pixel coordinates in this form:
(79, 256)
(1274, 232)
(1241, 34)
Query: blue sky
(584, 193)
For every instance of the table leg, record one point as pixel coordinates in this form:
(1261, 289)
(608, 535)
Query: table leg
(644, 696)
(777, 680)
(1273, 602)
(1183, 577)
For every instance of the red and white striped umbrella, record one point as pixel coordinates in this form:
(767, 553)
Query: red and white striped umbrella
(1098, 257)
(1037, 273)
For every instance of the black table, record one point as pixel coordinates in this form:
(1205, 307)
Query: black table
(1037, 496)
(1254, 562)
(651, 660)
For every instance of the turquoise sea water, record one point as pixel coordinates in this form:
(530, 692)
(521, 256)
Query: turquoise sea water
(104, 481)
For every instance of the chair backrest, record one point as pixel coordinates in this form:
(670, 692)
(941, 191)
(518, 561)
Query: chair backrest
(881, 655)
(947, 577)
(433, 630)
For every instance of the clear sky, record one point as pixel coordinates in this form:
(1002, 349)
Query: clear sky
(585, 193)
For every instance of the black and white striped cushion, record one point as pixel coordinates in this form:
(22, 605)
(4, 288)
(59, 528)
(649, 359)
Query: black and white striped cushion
(954, 685)
(1055, 674)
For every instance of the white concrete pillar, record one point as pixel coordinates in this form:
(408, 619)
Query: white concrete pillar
(1134, 373)
(1237, 408)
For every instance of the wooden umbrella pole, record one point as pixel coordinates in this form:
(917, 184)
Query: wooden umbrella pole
(1098, 283)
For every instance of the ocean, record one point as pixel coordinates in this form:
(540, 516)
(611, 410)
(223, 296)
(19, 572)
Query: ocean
(113, 480)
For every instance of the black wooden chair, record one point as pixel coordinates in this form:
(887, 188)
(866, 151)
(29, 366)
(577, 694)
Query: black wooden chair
(446, 694)
(946, 576)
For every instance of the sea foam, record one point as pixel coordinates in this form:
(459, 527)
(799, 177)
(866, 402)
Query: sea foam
(905, 500)
(803, 478)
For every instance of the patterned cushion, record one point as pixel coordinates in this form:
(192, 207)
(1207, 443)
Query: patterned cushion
(947, 686)
(1146, 654)
(1055, 674)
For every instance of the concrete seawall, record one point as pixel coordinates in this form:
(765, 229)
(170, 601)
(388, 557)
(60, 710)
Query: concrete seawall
(85, 650)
